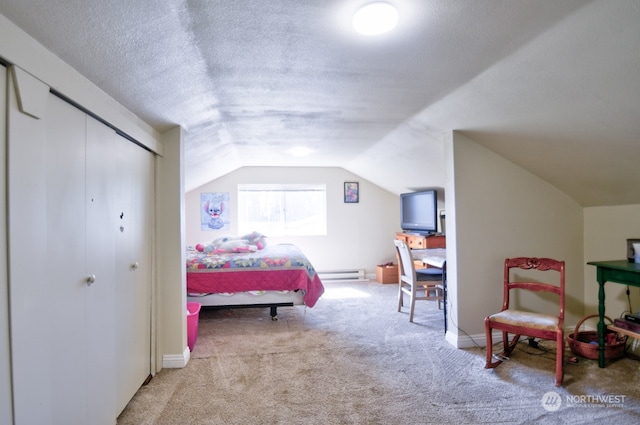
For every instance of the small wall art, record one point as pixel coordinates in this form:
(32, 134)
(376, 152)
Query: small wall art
(351, 192)
(214, 211)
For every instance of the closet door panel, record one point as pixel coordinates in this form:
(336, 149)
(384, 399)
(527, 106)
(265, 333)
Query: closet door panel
(101, 216)
(6, 416)
(133, 268)
(63, 210)
(27, 232)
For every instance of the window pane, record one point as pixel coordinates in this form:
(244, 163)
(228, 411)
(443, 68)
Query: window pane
(282, 210)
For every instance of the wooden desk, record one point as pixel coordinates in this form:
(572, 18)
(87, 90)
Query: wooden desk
(416, 241)
(618, 271)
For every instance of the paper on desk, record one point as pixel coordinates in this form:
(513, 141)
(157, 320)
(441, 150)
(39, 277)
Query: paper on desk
(436, 257)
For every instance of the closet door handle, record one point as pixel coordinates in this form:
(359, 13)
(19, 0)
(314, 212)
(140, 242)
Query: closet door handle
(135, 266)
(91, 279)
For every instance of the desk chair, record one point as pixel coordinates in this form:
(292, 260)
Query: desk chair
(410, 284)
(517, 322)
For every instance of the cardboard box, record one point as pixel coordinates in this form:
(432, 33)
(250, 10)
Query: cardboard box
(387, 274)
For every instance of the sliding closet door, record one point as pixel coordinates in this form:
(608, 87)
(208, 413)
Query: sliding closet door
(62, 268)
(6, 416)
(80, 209)
(100, 249)
(63, 212)
(133, 267)
(29, 281)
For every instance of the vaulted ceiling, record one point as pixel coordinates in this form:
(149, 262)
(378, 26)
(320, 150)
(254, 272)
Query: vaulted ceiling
(552, 85)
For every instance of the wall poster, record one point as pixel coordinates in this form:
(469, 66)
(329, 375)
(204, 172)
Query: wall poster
(351, 192)
(214, 211)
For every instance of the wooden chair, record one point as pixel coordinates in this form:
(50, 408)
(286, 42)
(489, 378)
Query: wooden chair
(535, 325)
(409, 283)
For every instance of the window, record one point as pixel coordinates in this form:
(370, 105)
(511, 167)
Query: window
(282, 209)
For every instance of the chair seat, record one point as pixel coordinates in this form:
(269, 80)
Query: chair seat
(429, 275)
(526, 319)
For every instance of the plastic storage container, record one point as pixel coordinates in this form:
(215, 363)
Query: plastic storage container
(193, 313)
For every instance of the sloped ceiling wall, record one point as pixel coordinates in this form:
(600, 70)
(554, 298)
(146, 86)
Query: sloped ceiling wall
(551, 85)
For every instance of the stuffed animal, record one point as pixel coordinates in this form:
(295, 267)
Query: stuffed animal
(257, 239)
(248, 243)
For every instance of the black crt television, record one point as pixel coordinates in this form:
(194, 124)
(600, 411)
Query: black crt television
(418, 211)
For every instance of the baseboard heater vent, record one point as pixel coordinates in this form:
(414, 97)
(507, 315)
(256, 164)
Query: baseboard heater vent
(343, 275)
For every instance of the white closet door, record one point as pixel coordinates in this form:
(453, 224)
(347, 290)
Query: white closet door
(101, 216)
(133, 268)
(28, 281)
(5, 366)
(63, 210)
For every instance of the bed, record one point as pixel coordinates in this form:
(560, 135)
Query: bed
(277, 275)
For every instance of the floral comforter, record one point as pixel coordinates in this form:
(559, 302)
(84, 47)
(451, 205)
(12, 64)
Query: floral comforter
(274, 268)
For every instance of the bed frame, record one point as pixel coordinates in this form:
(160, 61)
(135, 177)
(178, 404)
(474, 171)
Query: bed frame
(271, 299)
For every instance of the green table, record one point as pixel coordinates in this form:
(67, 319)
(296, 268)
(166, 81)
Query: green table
(618, 271)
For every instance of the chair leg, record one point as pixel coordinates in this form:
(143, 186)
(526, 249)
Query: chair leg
(400, 300)
(559, 357)
(490, 364)
(413, 302)
(509, 346)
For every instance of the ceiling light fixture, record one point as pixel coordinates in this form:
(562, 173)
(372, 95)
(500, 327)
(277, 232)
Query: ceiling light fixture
(375, 18)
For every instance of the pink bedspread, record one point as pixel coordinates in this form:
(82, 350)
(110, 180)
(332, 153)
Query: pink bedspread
(275, 268)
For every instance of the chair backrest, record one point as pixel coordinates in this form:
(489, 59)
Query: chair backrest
(532, 263)
(407, 268)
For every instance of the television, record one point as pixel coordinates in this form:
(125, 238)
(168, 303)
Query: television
(418, 211)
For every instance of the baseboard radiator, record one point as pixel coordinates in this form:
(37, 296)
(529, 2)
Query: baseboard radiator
(351, 275)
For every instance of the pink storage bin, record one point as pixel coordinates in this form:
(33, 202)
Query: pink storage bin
(193, 313)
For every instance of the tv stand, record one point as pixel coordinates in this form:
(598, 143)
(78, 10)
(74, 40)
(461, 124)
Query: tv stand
(418, 233)
(422, 241)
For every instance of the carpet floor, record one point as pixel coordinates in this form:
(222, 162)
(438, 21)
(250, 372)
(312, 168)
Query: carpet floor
(353, 359)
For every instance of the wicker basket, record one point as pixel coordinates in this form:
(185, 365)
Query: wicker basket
(581, 343)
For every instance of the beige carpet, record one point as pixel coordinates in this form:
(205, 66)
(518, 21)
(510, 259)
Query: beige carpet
(353, 359)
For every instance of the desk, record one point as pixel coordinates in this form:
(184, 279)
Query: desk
(436, 257)
(618, 271)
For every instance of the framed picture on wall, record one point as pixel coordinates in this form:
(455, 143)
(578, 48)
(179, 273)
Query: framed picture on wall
(351, 192)
(214, 211)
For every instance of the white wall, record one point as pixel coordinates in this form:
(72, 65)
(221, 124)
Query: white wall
(498, 210)
(359, 235)
(606, 230)
(171, 304)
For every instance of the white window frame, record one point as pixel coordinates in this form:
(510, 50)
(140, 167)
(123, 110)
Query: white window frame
(282, 227)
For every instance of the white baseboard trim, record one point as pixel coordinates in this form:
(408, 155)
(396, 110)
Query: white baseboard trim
(176, 361)
(468, 341)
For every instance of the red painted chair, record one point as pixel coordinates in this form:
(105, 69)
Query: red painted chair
(518, 322)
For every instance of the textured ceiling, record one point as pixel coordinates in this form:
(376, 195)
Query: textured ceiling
(551, 84)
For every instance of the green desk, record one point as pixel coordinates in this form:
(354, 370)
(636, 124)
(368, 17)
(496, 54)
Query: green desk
(618, 271)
